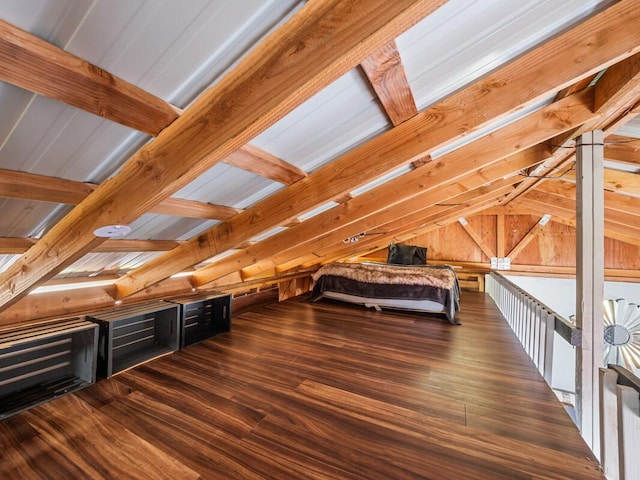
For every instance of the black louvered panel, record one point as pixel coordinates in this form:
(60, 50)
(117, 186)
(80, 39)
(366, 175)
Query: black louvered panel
(44, 360)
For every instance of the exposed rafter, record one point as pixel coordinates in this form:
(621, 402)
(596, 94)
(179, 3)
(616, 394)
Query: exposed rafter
(29, 186)
(261, 163)
(613, 201)
(387, 77)
(528, 237)
(616, 181)
(497, 94)
(470, 165)
(616, 92)
(564, 207)
(622, 150)
(40, 67)
(411, 211)
(13, 245)
(567, 217)
(476, 237)
(269, 82)
(434, 218)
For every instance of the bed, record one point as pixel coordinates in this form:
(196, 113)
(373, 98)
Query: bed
(423, 288)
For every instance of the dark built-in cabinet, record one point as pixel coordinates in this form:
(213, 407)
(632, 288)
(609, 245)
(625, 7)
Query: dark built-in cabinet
(203, 317)
(132, 335)
(45, 360)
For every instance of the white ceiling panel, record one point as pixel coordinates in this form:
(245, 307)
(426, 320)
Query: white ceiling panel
(22, 218)
(464, 40)
(225, 184)
(55, 140)
(6, 261)
(52, 20)
(13, 101)
(164, 227)
(174, 49)
(100, 262)
(336, 119)
(630, 129)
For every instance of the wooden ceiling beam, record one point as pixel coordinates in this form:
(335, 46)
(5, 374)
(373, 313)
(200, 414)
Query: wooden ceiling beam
(38, 66)
(181, 207)
(614, 220)
(469, 166)
(253, 159)
(612, 230)
(528, 237)
(388, 222)
(395, 230)
(511, 209)
(616, 91)
(381, 204)
(612, 201)
(622, 149)
(30, 186)
(477, 238)
(387, 77)
(317, 45)
(410, 227)
(442, 219)
(42, 188)
(574, 88)
(14, 245)
(497, 94)
(124, 245)
(615, 181)
(619, 87)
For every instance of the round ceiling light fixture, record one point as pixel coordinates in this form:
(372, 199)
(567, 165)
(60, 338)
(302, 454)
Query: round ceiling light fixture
(112, 231)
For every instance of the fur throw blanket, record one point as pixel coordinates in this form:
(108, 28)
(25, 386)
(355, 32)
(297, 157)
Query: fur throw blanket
(435, 276)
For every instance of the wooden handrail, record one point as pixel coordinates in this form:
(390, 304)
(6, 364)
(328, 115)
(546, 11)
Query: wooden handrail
(563, 327)
(626, 377)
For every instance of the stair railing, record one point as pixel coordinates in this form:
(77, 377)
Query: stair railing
(532, 321)
(619, 423)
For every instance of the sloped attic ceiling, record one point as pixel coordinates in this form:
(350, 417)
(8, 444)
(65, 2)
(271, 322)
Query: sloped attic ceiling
(257, 136)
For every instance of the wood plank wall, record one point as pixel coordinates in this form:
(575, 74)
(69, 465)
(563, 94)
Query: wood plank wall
(552, 247)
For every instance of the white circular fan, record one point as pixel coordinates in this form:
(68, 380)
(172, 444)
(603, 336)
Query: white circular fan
(622, 334)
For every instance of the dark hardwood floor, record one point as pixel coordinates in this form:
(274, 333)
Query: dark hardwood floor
(321, 391)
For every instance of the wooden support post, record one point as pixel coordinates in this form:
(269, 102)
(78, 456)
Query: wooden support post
(589, 282)
(500, 236)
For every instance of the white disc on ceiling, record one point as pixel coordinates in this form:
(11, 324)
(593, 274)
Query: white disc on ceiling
(112, 231)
